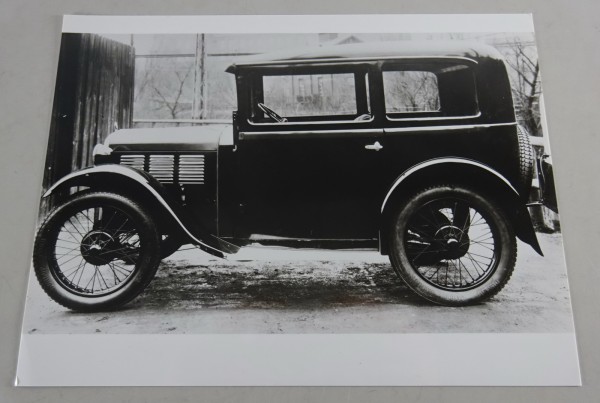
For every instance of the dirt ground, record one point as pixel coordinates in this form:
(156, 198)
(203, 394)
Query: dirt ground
(309, 291)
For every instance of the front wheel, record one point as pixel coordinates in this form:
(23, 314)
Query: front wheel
(452, 245)
(96, 252)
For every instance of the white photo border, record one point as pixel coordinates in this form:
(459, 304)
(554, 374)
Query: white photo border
(247, 24)
(483, 359)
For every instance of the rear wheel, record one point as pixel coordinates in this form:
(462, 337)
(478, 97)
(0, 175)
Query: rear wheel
(452, 246)
(97, 251)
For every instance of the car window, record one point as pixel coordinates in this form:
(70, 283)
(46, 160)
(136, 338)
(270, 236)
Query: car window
(411, 91)
(327, 96)
(429, 91)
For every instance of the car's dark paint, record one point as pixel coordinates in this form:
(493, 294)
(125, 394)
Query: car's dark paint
(314, 181)
(311, 188)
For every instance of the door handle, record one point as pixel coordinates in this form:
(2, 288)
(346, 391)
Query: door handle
(375, 146)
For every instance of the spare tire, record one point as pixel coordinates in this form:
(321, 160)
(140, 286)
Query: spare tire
(526, 161)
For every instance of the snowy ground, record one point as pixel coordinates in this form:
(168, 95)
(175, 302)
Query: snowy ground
(292, 291)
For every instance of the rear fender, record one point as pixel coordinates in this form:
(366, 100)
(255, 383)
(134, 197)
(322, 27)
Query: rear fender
(146, 190)
(546, 182)
(473, 174)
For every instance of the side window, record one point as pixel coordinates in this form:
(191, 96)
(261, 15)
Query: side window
(322, 97)
(421, 91)
(411, 91)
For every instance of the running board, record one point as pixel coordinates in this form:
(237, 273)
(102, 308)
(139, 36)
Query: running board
(307, 243)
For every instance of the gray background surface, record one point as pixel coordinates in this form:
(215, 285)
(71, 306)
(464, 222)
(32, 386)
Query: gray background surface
(567, 35)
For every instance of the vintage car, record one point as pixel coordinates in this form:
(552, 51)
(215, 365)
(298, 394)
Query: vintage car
(410, 149)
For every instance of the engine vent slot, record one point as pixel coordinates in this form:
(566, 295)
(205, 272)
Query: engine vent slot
(133, 161)
(185, 169)
(191, 169)
(162, 167)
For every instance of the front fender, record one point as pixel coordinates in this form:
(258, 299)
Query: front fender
(147, 190)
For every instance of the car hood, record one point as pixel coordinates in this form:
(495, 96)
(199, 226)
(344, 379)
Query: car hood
(195, 138)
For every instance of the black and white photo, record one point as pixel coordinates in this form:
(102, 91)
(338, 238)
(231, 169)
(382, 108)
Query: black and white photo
(335, 183)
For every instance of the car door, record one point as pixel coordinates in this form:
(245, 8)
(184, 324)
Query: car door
(313, 175)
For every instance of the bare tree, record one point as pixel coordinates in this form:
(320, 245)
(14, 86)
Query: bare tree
(526, 84)
(410, 91)
(163, 88)
(172, 103)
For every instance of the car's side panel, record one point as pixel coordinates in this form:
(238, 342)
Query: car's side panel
(309, 178)
(309, 184)
(188, 177)
(316, 180)
(148, 191)
(493, 145)
(437, 162)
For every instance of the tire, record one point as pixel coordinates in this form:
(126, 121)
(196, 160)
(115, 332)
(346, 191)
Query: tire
(471, 253)
(96, 252)
(526, 161)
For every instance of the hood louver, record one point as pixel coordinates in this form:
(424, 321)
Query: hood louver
(185, 169)
(191, 169)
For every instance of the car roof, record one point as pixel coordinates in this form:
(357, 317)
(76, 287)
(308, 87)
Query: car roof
(371, 51)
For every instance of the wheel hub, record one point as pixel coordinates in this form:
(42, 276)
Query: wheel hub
(454, 242)
(95, 248)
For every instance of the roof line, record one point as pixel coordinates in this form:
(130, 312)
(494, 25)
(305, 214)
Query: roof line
(341, 60)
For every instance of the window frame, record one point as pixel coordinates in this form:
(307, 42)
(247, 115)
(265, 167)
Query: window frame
(363, 94)
(430, 66)
(415, 112)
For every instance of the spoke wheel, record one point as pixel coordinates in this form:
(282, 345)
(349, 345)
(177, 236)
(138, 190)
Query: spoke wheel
(97, 251)
(452, 246)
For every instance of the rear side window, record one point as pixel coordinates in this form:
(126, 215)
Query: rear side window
(411, 91)
(423, 91)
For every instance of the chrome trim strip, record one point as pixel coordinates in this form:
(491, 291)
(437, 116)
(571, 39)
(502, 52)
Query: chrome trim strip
(130, 173)
(299, 133)
(263, 237)
(437, 161)
(308, 133)
(326, 122)
(316, 62)
(446, 127)
(432, 118)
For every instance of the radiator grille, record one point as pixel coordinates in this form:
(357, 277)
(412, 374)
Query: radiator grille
(186, 169)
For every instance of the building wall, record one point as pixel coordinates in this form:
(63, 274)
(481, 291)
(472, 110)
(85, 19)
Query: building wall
(93, 95)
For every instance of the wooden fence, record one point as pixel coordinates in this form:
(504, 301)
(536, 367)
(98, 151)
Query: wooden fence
(93, 96)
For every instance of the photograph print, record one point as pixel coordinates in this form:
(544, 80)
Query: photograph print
(298, 183)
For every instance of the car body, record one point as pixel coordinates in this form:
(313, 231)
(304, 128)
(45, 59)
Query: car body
(328, 148)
